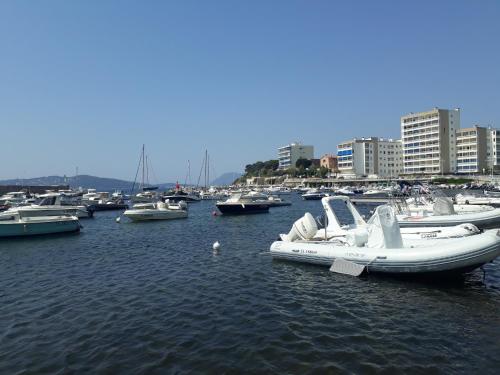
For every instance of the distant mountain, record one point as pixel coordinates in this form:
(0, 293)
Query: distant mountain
(226, 179)
(83, 181)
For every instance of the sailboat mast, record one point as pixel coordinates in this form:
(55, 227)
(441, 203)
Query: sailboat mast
(208, 170)
(147, 171)
(143, 167)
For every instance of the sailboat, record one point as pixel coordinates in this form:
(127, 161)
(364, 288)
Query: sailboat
(147, 193)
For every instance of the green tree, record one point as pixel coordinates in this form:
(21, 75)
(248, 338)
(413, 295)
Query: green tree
(303, 163)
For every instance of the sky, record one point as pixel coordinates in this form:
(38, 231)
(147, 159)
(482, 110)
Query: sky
(86, 83)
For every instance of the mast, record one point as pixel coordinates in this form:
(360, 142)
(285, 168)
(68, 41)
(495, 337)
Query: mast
(147, 171)
(143, 167)
(208, 170)
(206, 162)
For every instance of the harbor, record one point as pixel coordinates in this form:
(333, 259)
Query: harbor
(238, 187)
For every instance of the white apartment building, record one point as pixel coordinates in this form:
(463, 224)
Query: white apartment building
(370, 157)
(289, 154)
(493, 149)
(472, 145)
(429, 141)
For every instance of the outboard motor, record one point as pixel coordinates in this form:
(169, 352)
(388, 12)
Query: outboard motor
(304, 229)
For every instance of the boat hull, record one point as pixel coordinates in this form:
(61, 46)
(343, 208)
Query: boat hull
(38, 226)
(483, 220)
(453, 256)
(147, 215)
(242, 208)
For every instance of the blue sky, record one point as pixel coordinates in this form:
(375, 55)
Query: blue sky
(85, 83)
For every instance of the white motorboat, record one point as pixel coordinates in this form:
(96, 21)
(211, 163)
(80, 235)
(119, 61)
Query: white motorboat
(384, 250)
(14, 198)
(277, 201)
(21, 226)
(444, 214)
(51, 204)
(159, 211)
(314, 194)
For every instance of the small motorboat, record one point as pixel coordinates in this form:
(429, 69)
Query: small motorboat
(470, 199)
(242, 204)
(21, 226)
(444, 214)
(277, 201)
(158, 211)
(314, 194)
(384, 250)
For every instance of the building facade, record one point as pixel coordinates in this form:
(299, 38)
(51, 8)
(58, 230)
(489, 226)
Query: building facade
(330, 162)
(428, 140)
(289, 154)
(363, 157)
(472, 145)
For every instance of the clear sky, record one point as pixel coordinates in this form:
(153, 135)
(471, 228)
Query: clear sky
(85, 83)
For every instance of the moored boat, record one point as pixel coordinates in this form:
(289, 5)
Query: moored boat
(159, 211)
(241, 204)
(20, 226)
(384, 250)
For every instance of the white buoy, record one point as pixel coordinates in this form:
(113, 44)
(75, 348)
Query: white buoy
(216, 246)
(118, 219)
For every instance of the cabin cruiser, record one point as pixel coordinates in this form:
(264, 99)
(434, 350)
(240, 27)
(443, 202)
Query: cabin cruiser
(51, 204)
(157, 211)
(21, 226)
(146, 196)
(382, 248)
(14, 198)
(314, 194)
(241, 204)
(180, 195)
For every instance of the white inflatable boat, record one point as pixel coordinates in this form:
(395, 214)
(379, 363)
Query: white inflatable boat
(383, 249)
(334, 228)
(444, 214)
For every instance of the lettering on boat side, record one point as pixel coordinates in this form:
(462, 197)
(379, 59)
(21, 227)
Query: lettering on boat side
(428, 235)
(303, 251)
(354, 255)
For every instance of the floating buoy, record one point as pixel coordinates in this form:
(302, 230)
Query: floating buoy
(216, 246)
(118, 219)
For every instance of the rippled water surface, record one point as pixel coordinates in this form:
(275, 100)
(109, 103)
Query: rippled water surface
(153, 298)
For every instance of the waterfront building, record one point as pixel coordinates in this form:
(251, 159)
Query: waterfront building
(493, 149)
(472, 145)
(429, 141)
(330, 162)
(289, 154)
(370, 157)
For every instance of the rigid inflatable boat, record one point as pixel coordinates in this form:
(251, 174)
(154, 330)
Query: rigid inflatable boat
(384, 250)
(444, 214)
(334, 228)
